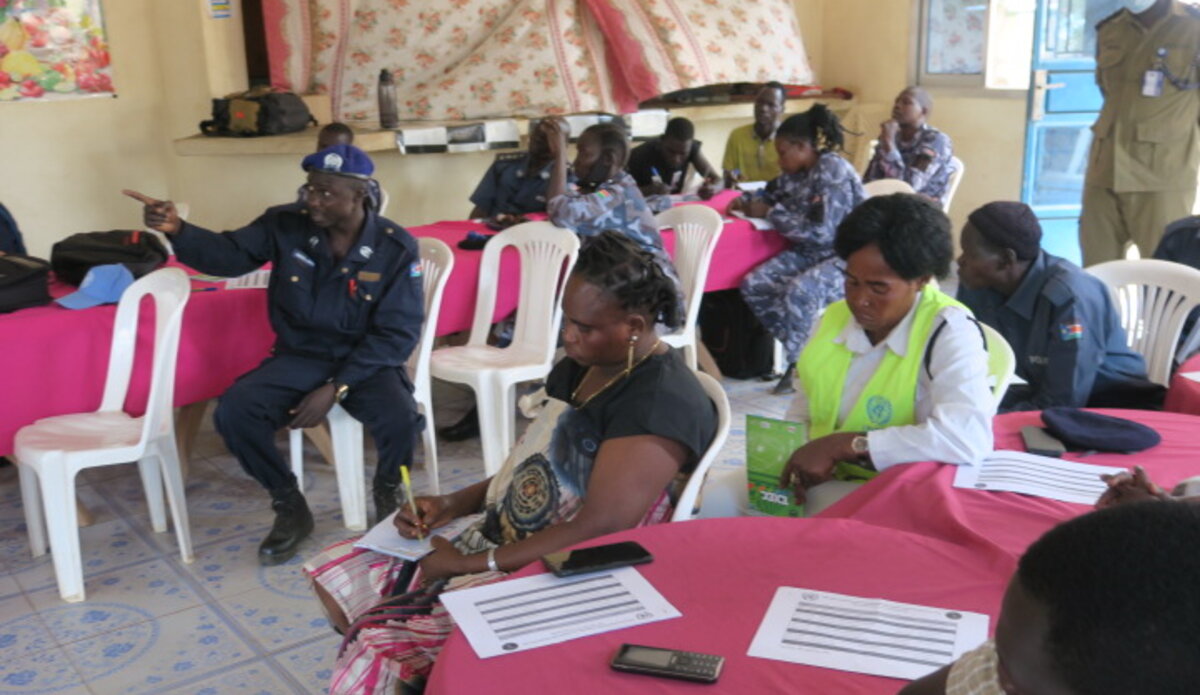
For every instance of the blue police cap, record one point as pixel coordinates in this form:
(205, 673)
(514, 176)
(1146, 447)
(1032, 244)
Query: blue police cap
(1083, 430)
(342, 160)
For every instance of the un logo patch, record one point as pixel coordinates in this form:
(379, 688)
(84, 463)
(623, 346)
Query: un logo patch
(879, 411)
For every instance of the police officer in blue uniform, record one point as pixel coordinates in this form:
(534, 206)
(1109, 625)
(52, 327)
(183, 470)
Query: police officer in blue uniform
(345, 301)
(516, 182)
(1060, 321)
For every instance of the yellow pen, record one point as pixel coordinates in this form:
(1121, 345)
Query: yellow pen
(412, 501)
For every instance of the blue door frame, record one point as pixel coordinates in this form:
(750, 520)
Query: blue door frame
(1063, 103)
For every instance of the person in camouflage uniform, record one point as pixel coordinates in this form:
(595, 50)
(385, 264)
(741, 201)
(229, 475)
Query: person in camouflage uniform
(605, 196)
(913, 151)
(805, 205)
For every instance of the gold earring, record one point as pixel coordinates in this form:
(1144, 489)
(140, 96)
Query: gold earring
(629, 361)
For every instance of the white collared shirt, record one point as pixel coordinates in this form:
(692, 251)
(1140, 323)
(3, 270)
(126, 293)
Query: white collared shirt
(954, 408)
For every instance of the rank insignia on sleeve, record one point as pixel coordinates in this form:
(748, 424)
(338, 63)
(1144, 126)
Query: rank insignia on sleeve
(1071, 331)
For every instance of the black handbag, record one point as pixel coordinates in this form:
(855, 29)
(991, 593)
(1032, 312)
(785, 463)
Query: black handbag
(258, 112)
(140, 252)
(24, 282)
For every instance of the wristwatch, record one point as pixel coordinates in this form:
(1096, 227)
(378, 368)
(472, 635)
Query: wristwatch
(340, 392)
(860, 445)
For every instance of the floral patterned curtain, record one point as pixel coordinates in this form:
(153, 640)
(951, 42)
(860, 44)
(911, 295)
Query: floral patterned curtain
(466, 59)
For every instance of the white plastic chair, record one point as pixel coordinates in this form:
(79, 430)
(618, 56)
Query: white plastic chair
(686, 508)
(548, 254)
(1002, 362)
(1154, 298)
(952, 184)
(886, 187)
(50, 452)
(346, 433)
(697, 229)
(384, 199)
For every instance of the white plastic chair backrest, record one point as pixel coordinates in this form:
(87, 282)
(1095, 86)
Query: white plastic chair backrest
(170, 290)
(384, 199)
(548, 253)
(886, 187)
(697, 229)
(687, 499)
(437, 261)
(1002, 361)
(1153, 298)
(952, 183)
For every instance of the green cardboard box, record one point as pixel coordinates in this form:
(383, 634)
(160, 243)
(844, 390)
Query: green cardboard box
(769, 445)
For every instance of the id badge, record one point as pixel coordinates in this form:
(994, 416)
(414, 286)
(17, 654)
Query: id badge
(1152, 83)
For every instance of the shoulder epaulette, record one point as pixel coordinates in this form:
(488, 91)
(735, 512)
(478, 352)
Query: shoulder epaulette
(511, 156)
(1109, 18)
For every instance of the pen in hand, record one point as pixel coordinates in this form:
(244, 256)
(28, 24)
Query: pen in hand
(412, 502)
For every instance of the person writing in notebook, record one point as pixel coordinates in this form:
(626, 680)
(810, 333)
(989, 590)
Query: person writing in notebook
(624, 423)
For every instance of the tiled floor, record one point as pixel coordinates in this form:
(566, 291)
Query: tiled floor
(222, 624)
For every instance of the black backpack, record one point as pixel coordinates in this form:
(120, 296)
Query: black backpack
(24, 282)
(74, 256)
(257, 112)
(741, 346)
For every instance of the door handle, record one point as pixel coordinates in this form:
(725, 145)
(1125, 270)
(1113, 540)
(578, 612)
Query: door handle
(1037, 105)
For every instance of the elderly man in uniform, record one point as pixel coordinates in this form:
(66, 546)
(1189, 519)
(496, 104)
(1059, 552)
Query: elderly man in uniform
(1145, 154)
(1059, 320)
(750, 151)
(516, 182)
(345, 301)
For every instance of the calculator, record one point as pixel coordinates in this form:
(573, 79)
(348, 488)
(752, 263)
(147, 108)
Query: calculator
(668, 663)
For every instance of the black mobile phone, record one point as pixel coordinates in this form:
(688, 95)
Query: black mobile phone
(596, 558)
(668, 663)
(1039, 441)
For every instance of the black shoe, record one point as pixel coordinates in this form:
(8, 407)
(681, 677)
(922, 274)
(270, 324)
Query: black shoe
(293, 523)
(385, 499)
(786, 383)
(464, 429)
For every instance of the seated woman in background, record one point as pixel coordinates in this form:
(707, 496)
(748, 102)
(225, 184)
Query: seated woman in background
(911, 150)
(805, 204)
(897, 372)
(624, 424)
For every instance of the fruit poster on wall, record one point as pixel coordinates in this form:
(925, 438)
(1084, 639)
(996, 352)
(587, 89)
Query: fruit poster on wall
(53, 49)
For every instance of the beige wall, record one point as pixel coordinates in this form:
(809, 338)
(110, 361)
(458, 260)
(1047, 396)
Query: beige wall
(73, 157)
(867, 50)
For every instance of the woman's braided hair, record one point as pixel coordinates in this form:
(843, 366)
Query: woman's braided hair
(818, 125)
(632, 275)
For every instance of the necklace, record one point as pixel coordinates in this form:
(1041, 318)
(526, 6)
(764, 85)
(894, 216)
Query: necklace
(620, 375)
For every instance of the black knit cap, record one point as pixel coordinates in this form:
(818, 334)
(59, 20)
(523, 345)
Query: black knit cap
(1009, 225)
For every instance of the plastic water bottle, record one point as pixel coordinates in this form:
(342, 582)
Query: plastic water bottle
(389, 117)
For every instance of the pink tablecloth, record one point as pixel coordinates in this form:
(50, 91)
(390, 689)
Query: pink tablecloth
(722, 574)
(740, 248)
(58, 358)
(907, 536)
(1000, 525)
(1183, 395)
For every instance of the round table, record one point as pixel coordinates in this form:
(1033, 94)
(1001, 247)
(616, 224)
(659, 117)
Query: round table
(722, 574)
(907, 536)
(1183, 395)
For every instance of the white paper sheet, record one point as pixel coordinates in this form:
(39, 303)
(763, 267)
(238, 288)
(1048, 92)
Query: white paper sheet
(530, 612)
(250, 281)
(1194, 376)
(757, 222)
(863, 635)
(383, 538)
(1040, 476)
